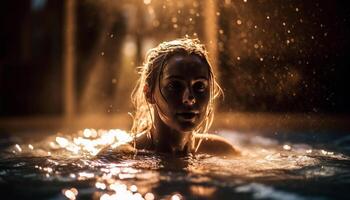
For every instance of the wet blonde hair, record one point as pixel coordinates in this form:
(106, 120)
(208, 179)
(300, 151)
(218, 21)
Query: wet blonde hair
(152, 68)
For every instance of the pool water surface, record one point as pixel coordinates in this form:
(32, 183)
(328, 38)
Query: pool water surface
(292, 166)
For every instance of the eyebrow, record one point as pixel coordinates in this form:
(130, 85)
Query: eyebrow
(180, 77)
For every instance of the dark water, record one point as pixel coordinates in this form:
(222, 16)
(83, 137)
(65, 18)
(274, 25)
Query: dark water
(292, 166)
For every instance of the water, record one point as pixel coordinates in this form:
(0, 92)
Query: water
(292, 166)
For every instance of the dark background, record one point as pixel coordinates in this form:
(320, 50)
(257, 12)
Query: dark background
(274, 56)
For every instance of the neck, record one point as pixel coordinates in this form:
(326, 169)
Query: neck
(166, 139)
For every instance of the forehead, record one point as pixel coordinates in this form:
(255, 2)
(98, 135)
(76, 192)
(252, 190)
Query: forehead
(186, 66)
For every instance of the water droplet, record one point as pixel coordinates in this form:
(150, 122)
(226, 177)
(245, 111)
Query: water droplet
(149, 196)
(174, 19)
(18, 148)
(287, 147)
(133, 188)
(100, 185)
(146, 2)
(176, 197)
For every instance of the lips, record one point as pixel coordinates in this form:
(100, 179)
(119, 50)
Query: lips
(188, 116)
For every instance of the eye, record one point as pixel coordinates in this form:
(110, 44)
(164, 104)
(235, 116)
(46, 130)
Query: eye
(174, 86)
(200, 86)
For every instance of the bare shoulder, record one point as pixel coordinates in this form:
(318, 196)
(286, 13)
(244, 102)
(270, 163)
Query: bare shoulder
(215, 145)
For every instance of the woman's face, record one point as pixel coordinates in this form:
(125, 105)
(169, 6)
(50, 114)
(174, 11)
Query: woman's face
(182, 92)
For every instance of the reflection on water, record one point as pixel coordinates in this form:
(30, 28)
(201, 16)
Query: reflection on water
(66, 167)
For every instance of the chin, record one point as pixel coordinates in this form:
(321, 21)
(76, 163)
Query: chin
(187, 126)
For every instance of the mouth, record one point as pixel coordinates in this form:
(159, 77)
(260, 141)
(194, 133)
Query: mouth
(188, 116)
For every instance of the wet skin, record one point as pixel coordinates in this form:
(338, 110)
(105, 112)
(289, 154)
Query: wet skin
(180, 98)
(181, 94)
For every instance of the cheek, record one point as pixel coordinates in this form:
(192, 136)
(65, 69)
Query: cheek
(203, 99)
(173, 99)
(167, 103)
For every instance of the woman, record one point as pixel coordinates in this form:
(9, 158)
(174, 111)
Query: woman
(174, 101)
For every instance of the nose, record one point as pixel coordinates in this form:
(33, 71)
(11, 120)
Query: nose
(188, 97)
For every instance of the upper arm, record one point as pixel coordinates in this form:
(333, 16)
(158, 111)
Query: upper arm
(215, 145)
